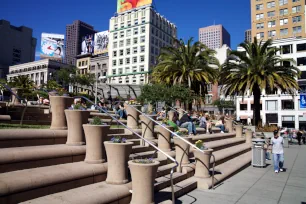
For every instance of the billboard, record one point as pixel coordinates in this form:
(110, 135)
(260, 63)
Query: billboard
(303, 100)
(52, 46)
(88, 44)
(125, 5)
(101, 43)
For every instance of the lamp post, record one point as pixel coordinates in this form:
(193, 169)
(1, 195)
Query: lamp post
(96, 91)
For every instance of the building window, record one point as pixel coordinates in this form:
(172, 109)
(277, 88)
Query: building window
(271, 105)
(128, 42)
(271, 118)
(287, 105)
(152, 59)
(260, 35)
(260, 25)
(135, 31)
(301, 61)
(127, 70)
(283, 2)
(136, 21)
(142, 48)
(127, 80)
(134, 60)
(134, 69)
(259, 7)
(142, 58)
(115, 36)
(209, 88)
(270, 14)
(283, 21)
(128, 33)
(129, 23)
(142, 39)
(127, 61)
(286, 49)
(128, 51)
(143, 20)
(79, 64)
(115, 45)
(135, 41)
(272, 33)
(114, 71)
(297, 29)
(296, 19)
(142, 68)
(143, 29)
(243, 107)
(296, 9)
(120, 61)
(121, 43)
(208, 99)
(301, 47)
(122, 25)
(284, 31)
(120, 71)
(134, 50)
(121, 52)
(115, 53)
(288, 121)
(283, 12)
(122, 34)
(271, 24)
(271, 4)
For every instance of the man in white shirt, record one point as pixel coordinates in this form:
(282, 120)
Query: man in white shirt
(277, 151)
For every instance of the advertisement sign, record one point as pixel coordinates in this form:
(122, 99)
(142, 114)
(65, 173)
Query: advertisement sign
(302, 101)
(52, 46)
(125, 5)
(101, 43)
(88, 44)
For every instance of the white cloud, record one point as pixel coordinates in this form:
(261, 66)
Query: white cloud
(37, 54)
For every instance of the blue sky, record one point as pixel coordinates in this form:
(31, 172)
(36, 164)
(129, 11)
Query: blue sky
(189, 16)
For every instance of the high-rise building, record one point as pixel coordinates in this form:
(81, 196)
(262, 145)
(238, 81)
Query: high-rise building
(136, 37)
(74, 34)
(17, 46)
(248, 35)
(278, 19)
(214, 36)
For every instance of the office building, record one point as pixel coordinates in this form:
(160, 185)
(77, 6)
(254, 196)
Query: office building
(136, 37)
(214, 36)
(75, 32)
(17, 46)
(278, 19)
(248, 35)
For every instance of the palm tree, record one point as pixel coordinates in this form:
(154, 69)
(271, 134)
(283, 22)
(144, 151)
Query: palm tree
(23, 82)
(188, 64)
(258, 68)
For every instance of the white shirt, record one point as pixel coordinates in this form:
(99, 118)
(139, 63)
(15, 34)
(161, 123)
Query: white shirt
(277, 145)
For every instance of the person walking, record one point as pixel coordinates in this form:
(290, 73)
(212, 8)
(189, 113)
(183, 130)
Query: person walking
(277, 143)
(299, 135)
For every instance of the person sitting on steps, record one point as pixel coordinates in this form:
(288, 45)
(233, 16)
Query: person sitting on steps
(186, 122)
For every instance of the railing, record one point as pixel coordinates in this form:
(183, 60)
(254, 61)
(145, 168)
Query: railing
(172, 108)
(173, 133)
(147, 141)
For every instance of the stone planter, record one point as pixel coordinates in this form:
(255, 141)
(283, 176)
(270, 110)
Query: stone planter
(248, 136)
(171, 115)
(239, 129)
(75, 120)
(229, 125)
(181, 152)
(117, 158)
(143, 178)
(202, 163)
(164, 140)
(14, 99)
(58, 106)
(147, 127)
(95, 136)
(132, 116)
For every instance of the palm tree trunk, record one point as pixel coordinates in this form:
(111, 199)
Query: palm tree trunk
(256, 111)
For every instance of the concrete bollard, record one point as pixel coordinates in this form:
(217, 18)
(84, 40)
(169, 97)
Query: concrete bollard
(229, 125)
(248, 136)
(239, 130)
(132, 115)
(147, 127)
(202, 163)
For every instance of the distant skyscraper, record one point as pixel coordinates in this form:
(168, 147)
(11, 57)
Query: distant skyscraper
(74, 34)
(214, 36)
(17, 46)
(248, 35)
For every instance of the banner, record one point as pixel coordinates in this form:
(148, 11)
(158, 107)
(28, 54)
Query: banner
(125, 5)
(302, 101)
(88, 44)
(52, 46)
(101, 43)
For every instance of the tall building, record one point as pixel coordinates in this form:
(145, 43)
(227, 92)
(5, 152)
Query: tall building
(214, 36)
(278, 19)
(136, 37)
(17, 46)
(74, 34)
(248, 35)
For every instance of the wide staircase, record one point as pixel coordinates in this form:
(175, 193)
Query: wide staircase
(36, 166)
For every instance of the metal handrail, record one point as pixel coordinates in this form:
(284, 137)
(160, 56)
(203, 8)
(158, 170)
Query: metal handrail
(172, 108)
(147, 141)
(194, 146)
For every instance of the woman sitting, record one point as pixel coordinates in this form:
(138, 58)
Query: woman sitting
(220, 124)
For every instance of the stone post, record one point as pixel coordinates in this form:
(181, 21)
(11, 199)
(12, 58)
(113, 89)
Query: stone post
(248, 136)
(58, 106)
(164, 139)
(181, 152)
(132, 115)
(15, 100)
(229, 125)
(147, 127)
(239, 130)
(202, 163)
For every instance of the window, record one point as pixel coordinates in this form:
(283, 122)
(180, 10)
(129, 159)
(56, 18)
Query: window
(121, 43)
(243, 107)
(271, 4)
(128, 33)
(283, 12)
(121, 53)
(115, 44)
(143, 20)
(135, 41)
(134, 69)
(120, 71)
(127, 80)
(136, 21)
(259, 7)
(301, 47)
(283, 2)
(297, 29)
(114, 71)
(142, 58)
(141, 68)
(116, 27)
(142, 39)
(128, 51)
(115, 53)
(271, 24)
(152, 59)
(296, 19)
(127, 60)
(135, 31)
(270, 14)
(120, 61)
(142, 48)
(208, 99)
(271, 105)
(284, 31)
(294, 1)
(134, 59)
(209, 88)
(288, 121)
(129, 23)
(296, 9)
(115, 36)
(134, 50)
(259, 25)
(143, 29)
(114, 62)
(128, 42)
(122, 25)
(152, 30)
(301, 61)
(79, 64)
(272, 33)
(127, 70)
(260, 35)
(287, 105)
(286, 49)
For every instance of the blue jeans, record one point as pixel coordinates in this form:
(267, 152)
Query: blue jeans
(278, 160)
(121, 113)
(190, 126)
(222, 127)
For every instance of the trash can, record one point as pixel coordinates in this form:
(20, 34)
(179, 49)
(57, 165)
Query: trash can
(258, 153)
(286, 141)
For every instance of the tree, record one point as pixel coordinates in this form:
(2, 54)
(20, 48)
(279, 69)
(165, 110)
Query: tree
(191, 65)
(256, 69)
(87, 79)
(67, 76)
(23, 82)
(222, 104)
(51, 85)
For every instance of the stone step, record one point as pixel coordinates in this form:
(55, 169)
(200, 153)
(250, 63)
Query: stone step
(225, 143)
(164, 170)
(165, 181)
(213, 137)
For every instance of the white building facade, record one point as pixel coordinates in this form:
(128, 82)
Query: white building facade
(280, 108)
(136, 37)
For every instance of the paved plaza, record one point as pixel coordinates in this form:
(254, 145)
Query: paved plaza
(260, 185)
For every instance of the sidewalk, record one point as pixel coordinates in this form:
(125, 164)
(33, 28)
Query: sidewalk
(260, 185)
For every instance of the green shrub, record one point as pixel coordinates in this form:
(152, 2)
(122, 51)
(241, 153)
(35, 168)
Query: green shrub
(96, 121)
